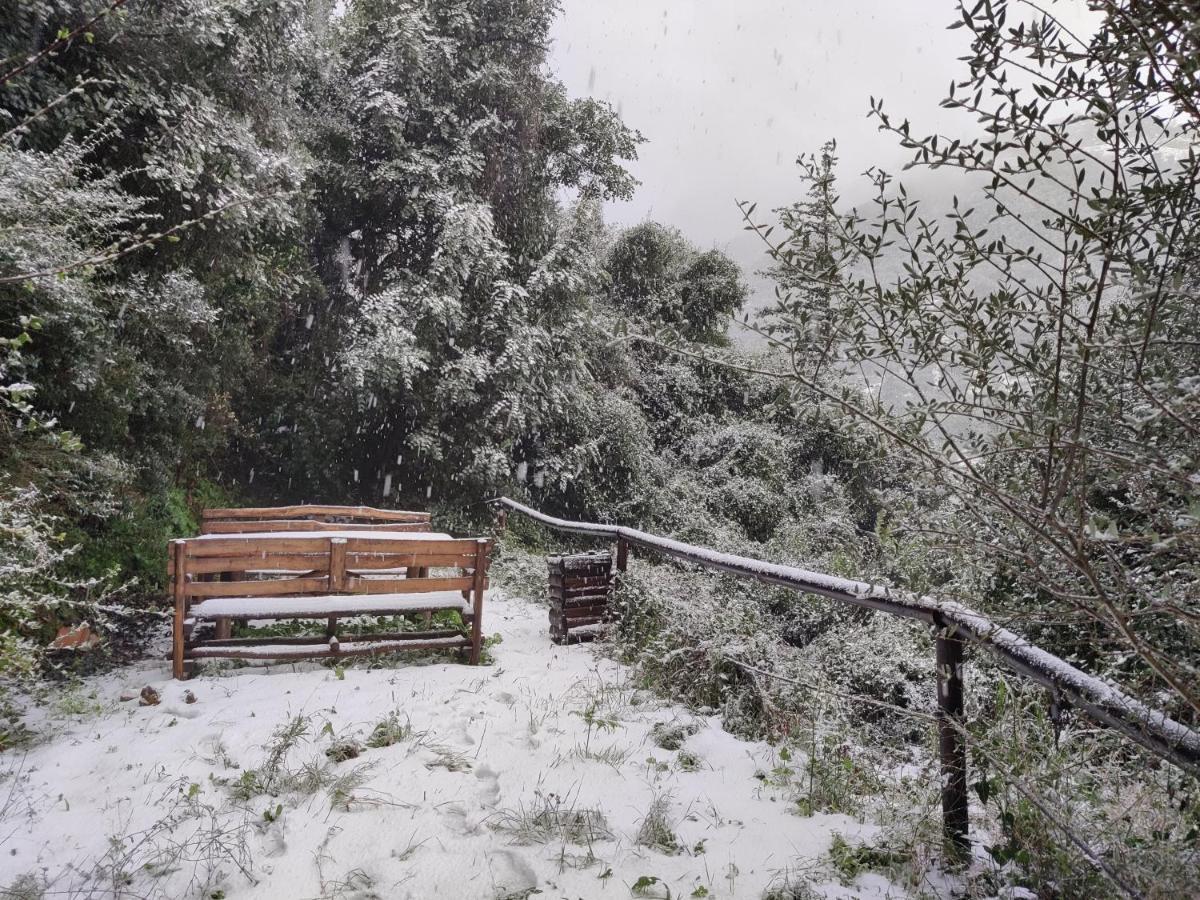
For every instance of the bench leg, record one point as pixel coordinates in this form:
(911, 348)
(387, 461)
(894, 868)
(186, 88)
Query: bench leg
(331, 626)
(224, 629)
(481, 561)
(177, 662)
(177, 626)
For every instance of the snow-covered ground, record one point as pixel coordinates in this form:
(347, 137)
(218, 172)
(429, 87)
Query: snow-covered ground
(532, 776)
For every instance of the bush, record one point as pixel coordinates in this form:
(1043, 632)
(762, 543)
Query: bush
(37, 596)
(134, 540)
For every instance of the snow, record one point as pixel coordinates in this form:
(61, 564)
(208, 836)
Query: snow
(429, 820)
(329, 605)
(594, 630)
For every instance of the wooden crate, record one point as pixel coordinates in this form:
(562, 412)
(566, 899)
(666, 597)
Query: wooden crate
(580, 588)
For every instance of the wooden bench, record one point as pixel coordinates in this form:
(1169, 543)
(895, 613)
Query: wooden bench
(328, 576)
(309, 517)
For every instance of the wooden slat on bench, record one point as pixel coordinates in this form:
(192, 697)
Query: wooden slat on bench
(272, 525)
(408, 585)
(282, 562)
(380, 542)
(310, 509)
(402, 560)
(318, 542)
(248, 545)
(272, 587)
(326, 605)
(318, 650)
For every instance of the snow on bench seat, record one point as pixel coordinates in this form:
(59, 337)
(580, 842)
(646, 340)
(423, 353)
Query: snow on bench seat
(324, 648)
(332, 605)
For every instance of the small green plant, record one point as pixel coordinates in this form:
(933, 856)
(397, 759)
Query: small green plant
(552, 818)
(273, 813)
(852, 861)
(77, 702)
(283, 740)
(342, 750)
(595, 722)
(614, 755)
(687, 761)
(657, 766)
(342, 786)
(246, 786)
(450, 760)
(485, 657)
(650, 886)
(671, 735)
(388, 731)
(655, 830)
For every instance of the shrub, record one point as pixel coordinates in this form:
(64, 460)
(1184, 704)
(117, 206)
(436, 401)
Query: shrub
(36, 594)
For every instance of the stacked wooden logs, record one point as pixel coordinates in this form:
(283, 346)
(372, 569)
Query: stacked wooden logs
(580, 586)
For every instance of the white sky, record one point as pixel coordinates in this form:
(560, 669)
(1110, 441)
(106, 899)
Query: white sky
(728, 93)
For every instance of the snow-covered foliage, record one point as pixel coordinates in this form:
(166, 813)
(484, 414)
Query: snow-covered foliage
(1033, 353)
(36, 592)
(659, 277)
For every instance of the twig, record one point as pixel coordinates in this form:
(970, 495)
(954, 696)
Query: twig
(60, 43)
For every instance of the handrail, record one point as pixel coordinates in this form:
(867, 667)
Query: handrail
(1151, 728)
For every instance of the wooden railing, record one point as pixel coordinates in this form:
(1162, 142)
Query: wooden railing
(954, 626)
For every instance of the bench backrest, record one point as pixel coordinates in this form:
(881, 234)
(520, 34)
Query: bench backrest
(322, 565)
(310, 517)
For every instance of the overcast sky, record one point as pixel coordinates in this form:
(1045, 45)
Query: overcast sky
(728, 92)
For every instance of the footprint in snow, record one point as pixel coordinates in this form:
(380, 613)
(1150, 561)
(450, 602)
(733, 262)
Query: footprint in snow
(511, 875)
(489, 782)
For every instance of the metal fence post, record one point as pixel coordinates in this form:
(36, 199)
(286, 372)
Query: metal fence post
(951, 742)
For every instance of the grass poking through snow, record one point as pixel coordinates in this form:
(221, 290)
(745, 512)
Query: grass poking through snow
(655, 830)
(551, 818)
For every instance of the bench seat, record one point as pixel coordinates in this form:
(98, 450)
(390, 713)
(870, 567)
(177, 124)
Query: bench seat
(323, 606)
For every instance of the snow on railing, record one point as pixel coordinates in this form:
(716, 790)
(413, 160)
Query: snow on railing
(955, 624)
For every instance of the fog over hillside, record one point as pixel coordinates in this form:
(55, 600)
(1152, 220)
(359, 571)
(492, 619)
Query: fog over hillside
(728, 95)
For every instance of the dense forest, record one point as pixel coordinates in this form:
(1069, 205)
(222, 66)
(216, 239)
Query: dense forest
(275, 251)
